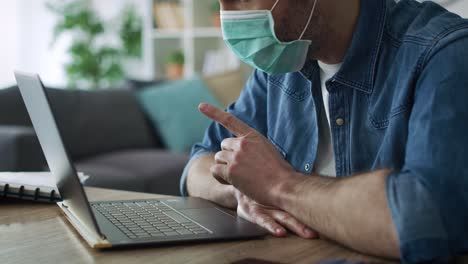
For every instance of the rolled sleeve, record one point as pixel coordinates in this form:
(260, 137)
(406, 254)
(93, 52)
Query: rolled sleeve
(250, 108)
(428, 198)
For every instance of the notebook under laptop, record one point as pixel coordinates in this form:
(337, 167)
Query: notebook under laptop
(124, 223)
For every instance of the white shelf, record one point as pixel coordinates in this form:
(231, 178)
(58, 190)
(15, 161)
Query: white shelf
(197, 37)
(167, 33)
(203, 32)
(207, 32)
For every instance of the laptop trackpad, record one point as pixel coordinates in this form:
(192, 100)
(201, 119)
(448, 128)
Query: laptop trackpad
(213, 218)
(224, 224)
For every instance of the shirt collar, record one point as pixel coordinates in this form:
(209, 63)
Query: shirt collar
(359, 65)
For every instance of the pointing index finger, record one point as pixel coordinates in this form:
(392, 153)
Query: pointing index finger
(227, 120)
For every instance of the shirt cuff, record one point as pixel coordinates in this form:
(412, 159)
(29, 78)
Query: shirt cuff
(417, 218)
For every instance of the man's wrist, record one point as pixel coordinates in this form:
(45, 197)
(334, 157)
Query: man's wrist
(296, 185)
(226, 196)
(288, 189)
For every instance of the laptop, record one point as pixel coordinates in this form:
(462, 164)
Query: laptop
(114, 224)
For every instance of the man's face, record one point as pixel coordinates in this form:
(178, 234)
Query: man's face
(247, 4)
(290, 15)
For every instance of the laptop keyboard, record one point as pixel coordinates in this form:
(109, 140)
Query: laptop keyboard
(148, 219)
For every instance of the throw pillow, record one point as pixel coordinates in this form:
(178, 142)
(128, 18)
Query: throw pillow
(173, 109)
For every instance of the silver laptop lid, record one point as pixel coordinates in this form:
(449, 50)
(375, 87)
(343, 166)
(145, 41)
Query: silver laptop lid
(66, 178)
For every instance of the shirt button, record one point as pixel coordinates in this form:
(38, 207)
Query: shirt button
(340, 121)
(307, 167)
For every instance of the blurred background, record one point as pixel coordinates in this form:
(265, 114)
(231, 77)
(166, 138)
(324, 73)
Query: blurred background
(166, 34)
(151, 37)
(125, 78)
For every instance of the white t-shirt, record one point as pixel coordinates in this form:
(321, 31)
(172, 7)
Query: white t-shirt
(325, 162)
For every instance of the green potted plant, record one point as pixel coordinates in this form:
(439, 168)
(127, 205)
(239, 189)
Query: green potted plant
(215, 14)
(131, 32)
(95, 64)
(175, 65)
(91, 66)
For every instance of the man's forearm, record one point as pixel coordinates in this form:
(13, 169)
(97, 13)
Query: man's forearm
(200, 183)
(352, 211)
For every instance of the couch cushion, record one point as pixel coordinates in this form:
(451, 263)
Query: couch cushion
(91, 122)
(20, 149)
(96, 122)
(152, 171)
(12, 109)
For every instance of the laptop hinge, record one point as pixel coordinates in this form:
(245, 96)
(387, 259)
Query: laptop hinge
(93, 239)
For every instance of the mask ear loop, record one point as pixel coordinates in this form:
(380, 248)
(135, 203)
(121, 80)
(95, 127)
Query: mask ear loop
(310, 19)
(273, 8)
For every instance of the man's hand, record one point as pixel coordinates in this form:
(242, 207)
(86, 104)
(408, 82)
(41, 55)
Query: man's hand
(274, 220)
(249, 161)
(333, 207)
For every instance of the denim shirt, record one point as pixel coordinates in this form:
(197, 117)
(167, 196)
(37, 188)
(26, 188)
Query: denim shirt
(399, 102)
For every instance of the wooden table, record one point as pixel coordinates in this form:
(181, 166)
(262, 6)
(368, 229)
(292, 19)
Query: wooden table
(39, 233)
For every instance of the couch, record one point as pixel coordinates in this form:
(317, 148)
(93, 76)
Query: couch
(106, 133)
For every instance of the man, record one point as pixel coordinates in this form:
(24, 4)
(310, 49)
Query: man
(353, 127)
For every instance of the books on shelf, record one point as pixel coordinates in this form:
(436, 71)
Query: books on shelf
(168, 15)
(35, 186)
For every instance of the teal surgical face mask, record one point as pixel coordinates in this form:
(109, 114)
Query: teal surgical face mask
(251, 36)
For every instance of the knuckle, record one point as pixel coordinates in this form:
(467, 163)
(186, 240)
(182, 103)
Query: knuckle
(262, 221)
(243, 144)
(215, 171)
(223, 143)
(255, 211)
(283, 217)
(225, 178)
(233, 168)
(236, 157)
